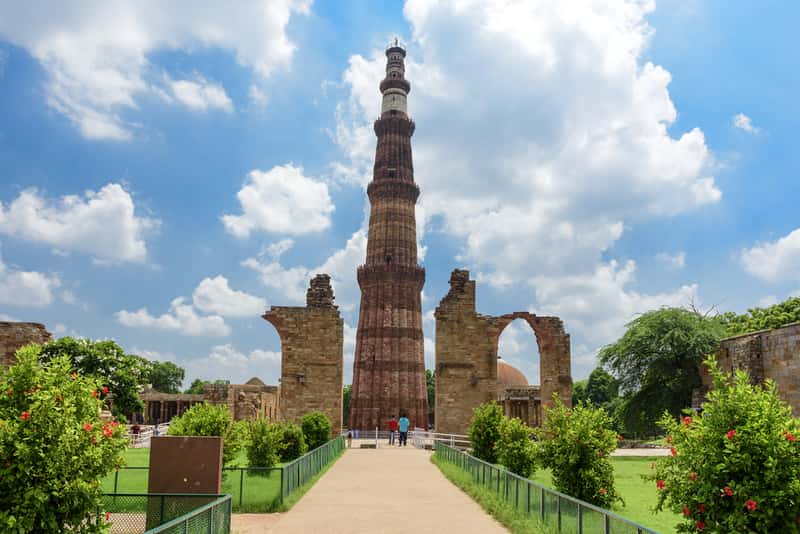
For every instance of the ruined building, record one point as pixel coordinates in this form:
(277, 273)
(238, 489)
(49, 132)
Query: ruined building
(389, 366)
(15, 335)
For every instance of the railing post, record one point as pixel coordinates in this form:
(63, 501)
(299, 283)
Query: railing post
(282, 484)
(580, 519)
(606, 524)
(211, 520)
(241, 488)
(541, 503)
(558, 512)
(528, 499)
(161, 510)
(116, 478)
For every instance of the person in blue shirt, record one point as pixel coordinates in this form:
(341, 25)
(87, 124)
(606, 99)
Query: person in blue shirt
(403, 424)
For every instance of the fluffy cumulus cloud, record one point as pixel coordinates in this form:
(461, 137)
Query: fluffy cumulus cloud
(775, 261)
(743, 122)
(229, 363)
(96, 56)
(181, 317)
(199, 94)
(291, 282)
(26, 288)
(281, 201)
(214, 295)
(675, 260)
(102, 223)
(541, 135)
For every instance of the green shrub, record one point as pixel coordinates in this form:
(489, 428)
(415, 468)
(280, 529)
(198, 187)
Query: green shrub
(211, 420)
(736, 466)
(53, 447)
(484, 431)
(292, 442)
(576, 445)
(515, 449)
(316, 429)
(264, 443)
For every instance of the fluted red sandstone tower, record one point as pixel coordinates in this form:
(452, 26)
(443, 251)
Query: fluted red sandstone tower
(389, 367)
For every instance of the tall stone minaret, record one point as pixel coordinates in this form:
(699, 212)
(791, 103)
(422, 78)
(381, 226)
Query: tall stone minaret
(389, 367)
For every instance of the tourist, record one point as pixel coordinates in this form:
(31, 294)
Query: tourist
(392, 429)
(349, 439)
(403, 424)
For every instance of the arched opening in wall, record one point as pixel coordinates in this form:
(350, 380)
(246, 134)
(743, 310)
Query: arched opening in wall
(518, 372)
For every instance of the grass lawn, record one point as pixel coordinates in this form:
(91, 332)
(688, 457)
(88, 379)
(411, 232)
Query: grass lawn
(640, 495)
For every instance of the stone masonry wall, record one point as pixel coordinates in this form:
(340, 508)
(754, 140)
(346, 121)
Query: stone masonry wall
(767, 355)
(16, 335)
(312, 343)
(466, 356)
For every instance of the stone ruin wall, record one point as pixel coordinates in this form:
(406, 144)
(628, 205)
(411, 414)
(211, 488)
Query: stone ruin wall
(766, 355)
(312, 359)
(15, 335)
(466, 356)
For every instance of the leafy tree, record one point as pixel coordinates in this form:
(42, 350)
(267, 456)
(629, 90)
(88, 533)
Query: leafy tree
(430, 382)
(264, 444)
(316, 429)
(292, 442)
(736, 466)
(123, 374)
(656, 362)
(53, 446)
(197, 386)
(211, 420)
(347, 396)
(165, 377)
(579, 392)
(755, 319)
(576, 445)
(484, 431)
(601, 388)
(515, 449)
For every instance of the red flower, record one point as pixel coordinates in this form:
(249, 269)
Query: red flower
(699, 525)
(693, 476)
(105, 390)
(701, 508)
(94, 393)
(668, 439)
(789, 436)
(673, 452)
(115, 424)
(660, 484)
(87, 427)
(728, 491)
(108, 516)
(24, 416)
(686, 511)
(603, 491)
(94, 441)
(108, 432)
(750, 504)
(687, 421)
(730, 434)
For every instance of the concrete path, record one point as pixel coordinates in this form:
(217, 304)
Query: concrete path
(388, 490)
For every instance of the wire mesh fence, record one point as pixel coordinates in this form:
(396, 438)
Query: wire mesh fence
(300, 471)
(135, 513)
(557, 510)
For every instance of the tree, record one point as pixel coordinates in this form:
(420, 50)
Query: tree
(54, 448)
(211, 420)
(755, 319)
(123, 374)
(292, 441)
(735, 467)
(264, 444)
(656, 362)
(579, 392)
(601, 388)
(484, 431)
(197, 386)
(347, 396)
(515, 448)
(165, 377)
(316, 429)
(430, 382)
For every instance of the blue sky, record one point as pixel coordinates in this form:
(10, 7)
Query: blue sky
(167, 173)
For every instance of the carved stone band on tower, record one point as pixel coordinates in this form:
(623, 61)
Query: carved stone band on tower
(389, 366)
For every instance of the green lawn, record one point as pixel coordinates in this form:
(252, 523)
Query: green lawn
(640, 495)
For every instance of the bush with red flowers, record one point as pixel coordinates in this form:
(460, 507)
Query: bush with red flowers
(54, 449)
(736, 466)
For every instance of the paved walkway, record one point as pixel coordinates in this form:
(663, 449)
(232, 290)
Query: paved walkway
(388, 490)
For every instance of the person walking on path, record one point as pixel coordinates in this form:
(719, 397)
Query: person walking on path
(403, 425)
(392, 430)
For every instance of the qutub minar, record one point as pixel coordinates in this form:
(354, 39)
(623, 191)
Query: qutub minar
(389, 366)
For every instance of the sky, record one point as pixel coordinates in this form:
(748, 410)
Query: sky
(169, 171)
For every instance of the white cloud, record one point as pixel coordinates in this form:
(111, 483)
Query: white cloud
(214, 295)
(673, 261)
(291, 283)
(767, 301)
(743, 122)
(103, 224)
(228, 363)
(96, 55)
(200, 95)
(26, 288)
(181, 318)
(153, 355)
(775, 261)
(257, 96)
(281, 200)
(4, 317)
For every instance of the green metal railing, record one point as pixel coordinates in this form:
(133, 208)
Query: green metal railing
(131, 513)
(564, 513)
(298, 472)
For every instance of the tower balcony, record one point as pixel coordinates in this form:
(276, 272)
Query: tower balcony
(370, 274)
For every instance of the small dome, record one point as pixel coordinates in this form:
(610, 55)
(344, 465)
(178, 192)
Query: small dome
(255, 381)
(509, 376)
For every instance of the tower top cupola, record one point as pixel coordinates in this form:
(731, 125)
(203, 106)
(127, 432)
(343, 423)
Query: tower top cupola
(394, 86)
